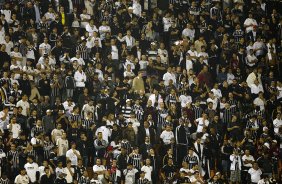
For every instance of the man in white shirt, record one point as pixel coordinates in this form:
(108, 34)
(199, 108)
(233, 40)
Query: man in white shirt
(147, 168)
(73, 155)
(14, 127)
(189, 32)
(251, 59)
(249, 23)
(189, 62)
(169, 76)
(22, 178)
(45, 47)
(256, 87)
(23, 103)
(167, 135)
(255, 173)
(80, 78)
(106, 133)
(202, 122)
(277, 123)
(99, 169)
(32, 169)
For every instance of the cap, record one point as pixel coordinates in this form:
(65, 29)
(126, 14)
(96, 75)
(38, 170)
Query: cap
(265, 128)
(266, 145)
(49, 110)
(127, 100)
(130, 8)
(274, 141)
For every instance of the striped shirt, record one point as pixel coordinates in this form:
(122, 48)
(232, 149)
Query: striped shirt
(13, 157)
(4, 181)
(238, 34)
(170, 100)
(136, 160)
(75, 117)
(126, 145)
(191, 161)
(84, 52)
(87, 123)
(126, 111)
(139, 112)
(47, 149)
(161, 116)
(84, 180)
(227, 115)
(198, 111)
(55, 90)
(35, 130)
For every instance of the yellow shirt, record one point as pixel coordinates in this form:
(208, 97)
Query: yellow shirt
(63, 18)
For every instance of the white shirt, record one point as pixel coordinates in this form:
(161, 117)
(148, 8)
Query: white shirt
(250, 59)
(103, 30)
(148, 172)
(259, 102)
(16, 129)
(31, 169)
(63, 146)
(114, 52)
(73, 158)
(22, 179)
(214, 102)
(255, 89)
(80, 79)
(250, 157)
(167, 77)
(46, 48)
(189, 65)
(130, 175)
(68, 177)
(91, 29)
(24, 105)
(201, 124)
(189, 33)
(143, 64)
(99, 168)
(248, 22)
(251, 78)
(166, 136)
(9, 46)
(255, 174)
(277, 123)
(167, 23)
(217, 93)
(56, 133)
(106, 133)
(137, 8)
(184, 99)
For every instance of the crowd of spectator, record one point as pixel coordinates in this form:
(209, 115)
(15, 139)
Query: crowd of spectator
(140, 91)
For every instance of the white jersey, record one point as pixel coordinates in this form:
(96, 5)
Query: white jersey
(31, 169)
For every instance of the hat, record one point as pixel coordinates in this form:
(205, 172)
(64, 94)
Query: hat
(266, 145)
(274, 141)
(153, 43)
(130, 8)
(265, 128)
(127, 100)
(49, 110)
(217, 173)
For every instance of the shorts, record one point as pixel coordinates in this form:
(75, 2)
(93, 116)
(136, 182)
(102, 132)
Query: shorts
(235, 176)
